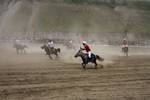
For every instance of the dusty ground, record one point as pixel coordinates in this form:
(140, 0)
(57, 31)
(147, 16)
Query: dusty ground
(33, 76)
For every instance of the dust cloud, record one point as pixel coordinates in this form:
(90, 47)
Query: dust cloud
(32, 75)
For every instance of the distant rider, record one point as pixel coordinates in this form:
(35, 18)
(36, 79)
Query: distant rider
(17, 42)
(71, 45)
(124, 43)
(50, 44)
(86, 48)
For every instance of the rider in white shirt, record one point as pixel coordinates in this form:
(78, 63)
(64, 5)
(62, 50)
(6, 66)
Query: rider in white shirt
(50, 44)
(124, 43)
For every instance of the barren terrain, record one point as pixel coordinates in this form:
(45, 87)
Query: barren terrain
(33, 76)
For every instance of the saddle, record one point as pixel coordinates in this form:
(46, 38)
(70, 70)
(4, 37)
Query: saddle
(51, 48)
(93, 56)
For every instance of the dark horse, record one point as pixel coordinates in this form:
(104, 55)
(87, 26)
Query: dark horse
(125, 50)
(20, 48)
(86, 60)
(51, 51)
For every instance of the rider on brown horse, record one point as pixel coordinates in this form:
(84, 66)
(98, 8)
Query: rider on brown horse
(125, 48)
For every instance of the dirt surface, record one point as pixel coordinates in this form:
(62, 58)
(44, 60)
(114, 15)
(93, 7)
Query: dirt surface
(33, 76)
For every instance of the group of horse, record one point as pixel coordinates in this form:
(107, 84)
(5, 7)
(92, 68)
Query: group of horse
(84, 56)
(20, 48)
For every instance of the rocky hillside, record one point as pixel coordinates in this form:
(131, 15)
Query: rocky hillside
(106, 17)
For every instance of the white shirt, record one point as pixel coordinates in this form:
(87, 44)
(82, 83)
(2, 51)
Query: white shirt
(51, 44)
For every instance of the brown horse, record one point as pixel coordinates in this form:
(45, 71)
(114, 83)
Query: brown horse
(51, 51)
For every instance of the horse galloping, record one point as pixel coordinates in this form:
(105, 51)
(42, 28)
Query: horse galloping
(86, 60)
(50, 51)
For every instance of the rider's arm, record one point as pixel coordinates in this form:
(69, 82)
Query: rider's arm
(82, 48)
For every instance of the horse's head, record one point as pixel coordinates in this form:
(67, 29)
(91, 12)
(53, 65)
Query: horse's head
(79, 53)
(43, 47)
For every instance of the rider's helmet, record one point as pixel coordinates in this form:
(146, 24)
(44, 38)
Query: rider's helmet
(83, 42)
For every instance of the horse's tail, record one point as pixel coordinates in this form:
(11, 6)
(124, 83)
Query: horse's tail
(99, 58)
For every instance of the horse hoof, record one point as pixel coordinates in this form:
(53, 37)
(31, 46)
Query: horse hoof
(84, 68)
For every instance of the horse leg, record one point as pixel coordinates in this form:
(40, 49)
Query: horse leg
(20, 51)
(50, 57)
(126, 53)
(101, 65)
(95, 64)
(17, 51)
(24, 51)
(84, 65)
(56, 55)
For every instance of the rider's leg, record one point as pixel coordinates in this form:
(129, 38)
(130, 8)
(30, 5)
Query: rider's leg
(89, 54)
